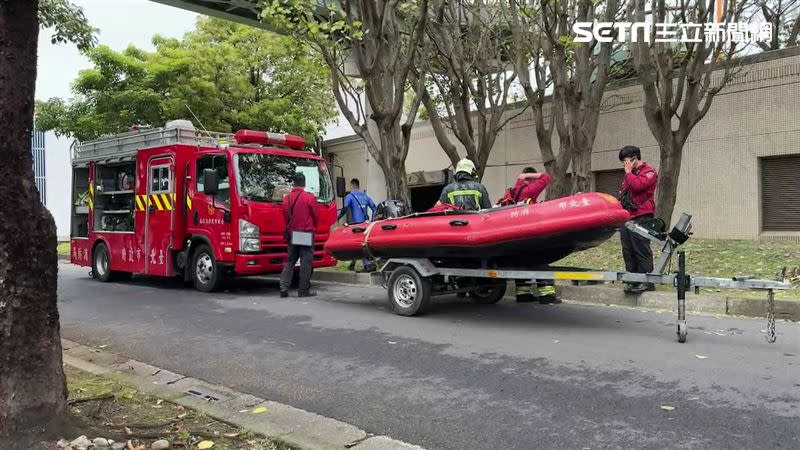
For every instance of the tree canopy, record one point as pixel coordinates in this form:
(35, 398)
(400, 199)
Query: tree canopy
(68, 23)
(231, 77)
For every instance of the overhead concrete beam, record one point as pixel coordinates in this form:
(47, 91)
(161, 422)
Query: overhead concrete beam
(241, 11)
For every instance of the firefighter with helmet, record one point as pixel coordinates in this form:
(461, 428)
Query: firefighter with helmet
(465, 192)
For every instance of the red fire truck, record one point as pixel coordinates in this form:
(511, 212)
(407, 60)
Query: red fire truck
(174, 201)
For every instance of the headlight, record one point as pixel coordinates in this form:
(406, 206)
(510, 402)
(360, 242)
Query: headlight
(248, 237)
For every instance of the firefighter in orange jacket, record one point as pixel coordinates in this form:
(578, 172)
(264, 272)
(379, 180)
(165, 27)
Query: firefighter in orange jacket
(527, 189)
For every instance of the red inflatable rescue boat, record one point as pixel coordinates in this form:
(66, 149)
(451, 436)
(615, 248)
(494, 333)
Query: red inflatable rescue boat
(526, 235)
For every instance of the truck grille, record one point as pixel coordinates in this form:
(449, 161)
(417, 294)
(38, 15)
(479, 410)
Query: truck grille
(274, 244)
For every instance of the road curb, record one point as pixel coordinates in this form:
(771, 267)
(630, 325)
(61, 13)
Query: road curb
(292, 425)
(604, 295)
(341, 277)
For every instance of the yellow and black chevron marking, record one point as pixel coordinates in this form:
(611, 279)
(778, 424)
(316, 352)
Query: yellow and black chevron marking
(91, 196)
(188, 202)
(162, 202)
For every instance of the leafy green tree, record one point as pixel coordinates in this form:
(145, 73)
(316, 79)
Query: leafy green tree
(68, 23)
(230, 76)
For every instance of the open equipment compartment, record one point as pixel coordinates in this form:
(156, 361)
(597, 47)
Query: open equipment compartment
(114, 197)
(79, 224)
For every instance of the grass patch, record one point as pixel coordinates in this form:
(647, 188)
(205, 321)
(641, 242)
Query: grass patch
(120, 412)
(63, 248)
(341, 266)
(722, 258)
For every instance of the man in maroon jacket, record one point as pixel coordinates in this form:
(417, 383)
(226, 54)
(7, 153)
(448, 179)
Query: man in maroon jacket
(638, 197)
(301, 215)
(528, 187)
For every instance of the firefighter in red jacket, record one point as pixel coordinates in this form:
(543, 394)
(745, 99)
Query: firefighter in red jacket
(638, 197)
(301, 216)
(528, 187)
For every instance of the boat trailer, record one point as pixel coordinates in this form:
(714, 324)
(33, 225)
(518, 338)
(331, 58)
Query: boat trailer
(411, 282)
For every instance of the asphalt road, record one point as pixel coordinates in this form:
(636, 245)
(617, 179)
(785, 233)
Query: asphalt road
(463, 376)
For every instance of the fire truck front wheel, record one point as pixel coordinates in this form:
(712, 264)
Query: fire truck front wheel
(205, 273)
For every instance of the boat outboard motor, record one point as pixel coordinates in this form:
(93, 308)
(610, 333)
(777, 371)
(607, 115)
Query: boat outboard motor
(389, 209)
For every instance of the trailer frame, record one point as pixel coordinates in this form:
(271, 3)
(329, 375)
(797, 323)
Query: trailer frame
(411, 282)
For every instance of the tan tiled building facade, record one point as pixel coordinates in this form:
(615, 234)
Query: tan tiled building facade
(741, 167)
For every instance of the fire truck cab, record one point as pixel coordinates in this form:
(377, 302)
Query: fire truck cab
(176, 201)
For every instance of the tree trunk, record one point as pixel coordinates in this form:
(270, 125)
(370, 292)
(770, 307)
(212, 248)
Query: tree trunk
(561, 185)
(397, 184)
(582, 169)
(32, 385)
(668, 173)
(393, 145)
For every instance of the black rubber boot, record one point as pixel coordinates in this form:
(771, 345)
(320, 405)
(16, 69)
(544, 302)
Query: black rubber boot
(549, 299)
(526, 298)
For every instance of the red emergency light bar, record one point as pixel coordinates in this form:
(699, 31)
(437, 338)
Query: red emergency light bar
(265, 138)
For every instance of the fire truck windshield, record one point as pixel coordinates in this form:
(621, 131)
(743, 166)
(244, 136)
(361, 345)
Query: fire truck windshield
(262, 177)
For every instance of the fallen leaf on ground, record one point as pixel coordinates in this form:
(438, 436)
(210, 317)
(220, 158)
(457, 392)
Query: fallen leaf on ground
(102, 346)
(181, 416)
(260, 410)
(202, 445)
(128, 431)
(667, 408)
(159, 401)
(701, 356)
(231, 435)
(392, 342)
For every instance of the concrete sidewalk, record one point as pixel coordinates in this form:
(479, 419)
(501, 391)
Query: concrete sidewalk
(608, 295)
(294, 426)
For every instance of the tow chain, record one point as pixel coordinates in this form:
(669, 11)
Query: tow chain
(771, 336)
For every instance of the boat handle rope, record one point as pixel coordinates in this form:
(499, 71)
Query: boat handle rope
(365, 244)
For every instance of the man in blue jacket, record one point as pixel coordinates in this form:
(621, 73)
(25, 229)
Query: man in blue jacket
(357, 205)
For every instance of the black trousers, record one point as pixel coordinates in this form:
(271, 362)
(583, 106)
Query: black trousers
(636, 249)
(306, 255)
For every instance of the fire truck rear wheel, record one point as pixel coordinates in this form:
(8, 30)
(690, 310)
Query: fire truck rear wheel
(101, 263)
(205, 273)
(101, 266)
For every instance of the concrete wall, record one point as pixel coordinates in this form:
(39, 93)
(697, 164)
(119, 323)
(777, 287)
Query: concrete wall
(755, 116)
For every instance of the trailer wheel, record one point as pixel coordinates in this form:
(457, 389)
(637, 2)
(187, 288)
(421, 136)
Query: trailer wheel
(488, 295)
(205, 273)
(409, 292)
(101, 263)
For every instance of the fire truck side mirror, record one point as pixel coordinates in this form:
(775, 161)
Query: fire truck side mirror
(210, 182)
(341, 188)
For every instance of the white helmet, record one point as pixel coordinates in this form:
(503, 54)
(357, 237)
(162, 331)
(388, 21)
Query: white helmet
(465, 165)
